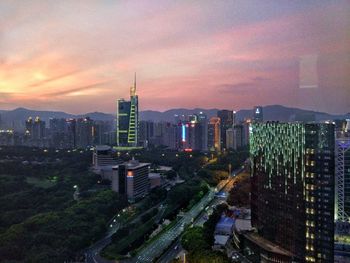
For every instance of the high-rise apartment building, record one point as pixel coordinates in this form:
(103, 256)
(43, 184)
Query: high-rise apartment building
(226, 118)
(214, 134)
(128, 120)
(292, 195)
(35, 132)
(203, 121)
(238, 136)
(229, 138)
(85, 132)
(146, 132)
(71, 136)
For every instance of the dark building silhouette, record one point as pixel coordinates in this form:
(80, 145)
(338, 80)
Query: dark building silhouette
(258, 114)
(226, 117)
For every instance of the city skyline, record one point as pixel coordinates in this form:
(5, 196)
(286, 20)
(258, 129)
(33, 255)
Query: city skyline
(81, 57)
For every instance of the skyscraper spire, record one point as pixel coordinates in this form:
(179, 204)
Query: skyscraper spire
(133, 88)
(135, 81)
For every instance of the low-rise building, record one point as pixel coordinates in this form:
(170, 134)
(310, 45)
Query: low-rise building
(225, 226)
(155, 180)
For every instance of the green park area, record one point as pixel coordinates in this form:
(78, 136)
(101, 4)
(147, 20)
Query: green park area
(40, 221)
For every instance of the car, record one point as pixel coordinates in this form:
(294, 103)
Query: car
(235, 257)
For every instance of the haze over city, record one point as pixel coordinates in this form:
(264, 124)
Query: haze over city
(81, 56)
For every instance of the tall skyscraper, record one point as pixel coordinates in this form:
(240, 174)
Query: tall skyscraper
(35, 131)
(229, 138)
(342, 195)
(226, 117)
(258, 115)
(203, 121)
(84, 132)
(214, 134)
(292, 196)
(342, 205)
(128, 120)
(238, 132)
(71, 136)
(194, 133)
(146, 132)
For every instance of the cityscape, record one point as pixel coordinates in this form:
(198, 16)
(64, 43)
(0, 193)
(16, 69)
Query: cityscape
(234, 149)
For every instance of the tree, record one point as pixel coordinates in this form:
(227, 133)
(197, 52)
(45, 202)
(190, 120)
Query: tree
(193, 240)
(171, 175)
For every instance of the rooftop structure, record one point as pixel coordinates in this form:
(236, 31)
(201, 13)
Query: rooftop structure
(225, 226)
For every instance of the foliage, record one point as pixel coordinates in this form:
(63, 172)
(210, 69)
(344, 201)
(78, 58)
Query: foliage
(239, 195)
(210, 224)
(70, 230)
(39, 220)
(199, 250)
(170, 175)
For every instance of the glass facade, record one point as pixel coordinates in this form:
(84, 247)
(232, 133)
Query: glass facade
(293, 187)
(128, 120)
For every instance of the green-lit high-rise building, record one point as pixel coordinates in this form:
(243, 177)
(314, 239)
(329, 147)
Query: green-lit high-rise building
(292, 195)
(128, 120)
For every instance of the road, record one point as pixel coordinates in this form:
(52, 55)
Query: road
(92, 253)
(154, 249)
(175, 249)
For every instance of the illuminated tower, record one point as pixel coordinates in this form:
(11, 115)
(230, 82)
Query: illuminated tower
(292, 194)
(128, 120)
(258, 114)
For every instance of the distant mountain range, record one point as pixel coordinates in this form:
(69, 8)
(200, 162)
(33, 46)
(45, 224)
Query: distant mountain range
(15, 118)
(271, 112)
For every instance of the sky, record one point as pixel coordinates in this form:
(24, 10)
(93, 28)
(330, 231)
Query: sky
(80, 56)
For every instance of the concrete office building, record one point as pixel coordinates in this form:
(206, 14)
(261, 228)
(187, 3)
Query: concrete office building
(132, 179)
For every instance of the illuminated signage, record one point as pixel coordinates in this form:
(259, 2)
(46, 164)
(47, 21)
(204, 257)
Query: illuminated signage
(183, 133)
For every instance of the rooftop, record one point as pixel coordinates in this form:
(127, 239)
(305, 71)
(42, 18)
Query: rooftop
(102, 148)
(226, 221)
(243, 225)
(132, 164)
(221, 239)
(154, 175)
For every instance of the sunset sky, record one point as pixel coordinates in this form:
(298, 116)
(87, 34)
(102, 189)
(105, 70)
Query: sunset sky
(80, 56)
